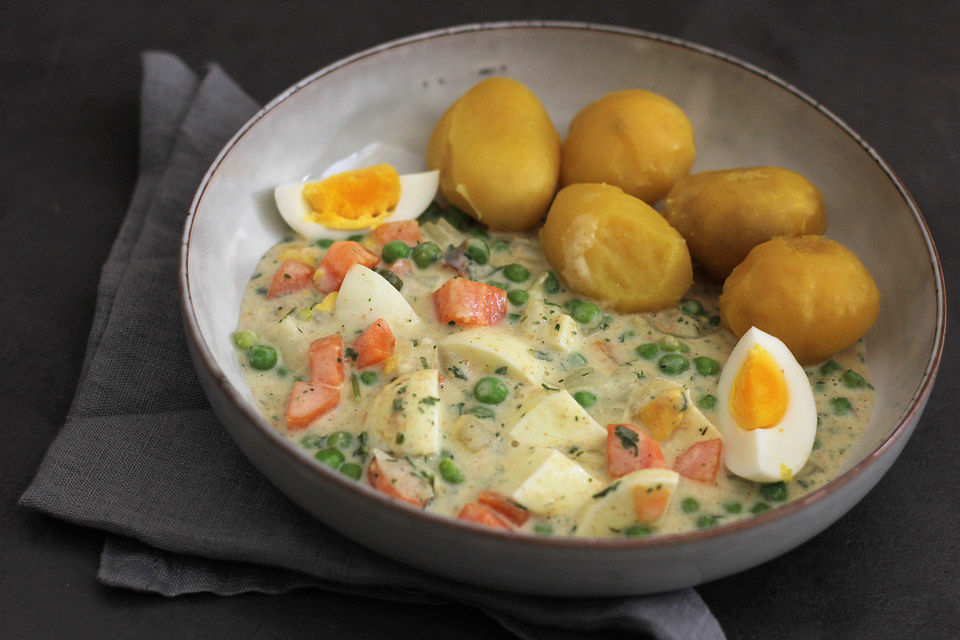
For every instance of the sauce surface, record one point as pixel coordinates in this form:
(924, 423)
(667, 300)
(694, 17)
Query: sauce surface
(611, 362)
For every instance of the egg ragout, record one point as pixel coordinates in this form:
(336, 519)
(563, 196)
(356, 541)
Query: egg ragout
(445, 365)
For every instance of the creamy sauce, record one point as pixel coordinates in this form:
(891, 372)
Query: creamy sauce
(603, 360)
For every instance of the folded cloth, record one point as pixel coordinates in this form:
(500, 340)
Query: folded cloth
(143, 457)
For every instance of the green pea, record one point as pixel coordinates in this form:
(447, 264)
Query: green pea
(774, 491)
(352, 469)
(500, 245)
(477, 250)
(357, 237)
(551, 284)
(673, 364)
(426, 254)
(498, 284)
(852, 380)
(518, 297)
(324, 243)
(706, 366)
(841, 406)
(262, 357)
(390, 277)
(245, 339)
(829, 367)
(648, 351)
(339, 439)
(330, 456)
(543, 529)
(490, 390)
(691, 307)
(516, 272)
(705, 521)
(450, 472)
(637, 531)
(585, 399)
(732, 507)
(760, 507)
(368, 377)
(585, 312)
(395, 250)
(689, 505)
(282, 371)
(707, 402)
(674, 346)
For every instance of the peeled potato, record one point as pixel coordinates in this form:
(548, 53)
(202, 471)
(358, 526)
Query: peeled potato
(498, 154)
(613, 247)
(724, 214)
(811, 292)
(636, 140)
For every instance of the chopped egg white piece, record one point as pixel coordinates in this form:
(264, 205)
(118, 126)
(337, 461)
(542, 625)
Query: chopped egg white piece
(406, 414)
(558, 486)
(557, 420)
(641, 496)
(365, 296)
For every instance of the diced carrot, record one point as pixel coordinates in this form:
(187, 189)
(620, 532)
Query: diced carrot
(482, 514)
(374, 345)
(401, 267)
(326, 360)
(701, 461)
(407, 231)
(629, 449)
(470, 303)
(397, 478)
(504, 506)
(310, 401)
(337, 261)
(291, 276)
(650, 502)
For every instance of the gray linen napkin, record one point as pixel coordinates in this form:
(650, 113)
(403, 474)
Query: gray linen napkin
(143, 457)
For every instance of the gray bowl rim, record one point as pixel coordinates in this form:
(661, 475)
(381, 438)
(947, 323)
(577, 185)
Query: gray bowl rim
(298, 456)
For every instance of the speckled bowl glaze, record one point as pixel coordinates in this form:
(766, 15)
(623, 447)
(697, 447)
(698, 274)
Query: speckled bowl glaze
(742, 116)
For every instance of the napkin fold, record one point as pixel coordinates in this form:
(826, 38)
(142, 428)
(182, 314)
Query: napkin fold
(143, 457)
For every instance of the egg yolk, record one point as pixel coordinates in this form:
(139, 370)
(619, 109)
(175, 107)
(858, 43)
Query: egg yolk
(664, 414)
(354, 199)
(758, 397)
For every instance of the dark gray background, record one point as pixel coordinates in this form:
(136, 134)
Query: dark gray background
(69, 75)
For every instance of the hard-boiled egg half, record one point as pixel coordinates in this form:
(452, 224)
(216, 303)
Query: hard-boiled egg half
(768, 418)
(356, 194)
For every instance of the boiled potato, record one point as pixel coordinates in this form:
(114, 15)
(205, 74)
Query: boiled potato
(613, 247)
(636, 140)
(811, 292)
(724, 214)
(498, 154)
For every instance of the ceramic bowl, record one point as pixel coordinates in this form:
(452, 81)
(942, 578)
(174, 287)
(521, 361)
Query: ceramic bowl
(742, 116)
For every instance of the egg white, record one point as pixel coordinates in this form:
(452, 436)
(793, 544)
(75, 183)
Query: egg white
(417, 190)
(778, 452)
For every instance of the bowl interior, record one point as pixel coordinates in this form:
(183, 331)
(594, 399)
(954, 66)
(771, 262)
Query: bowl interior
(741, 118)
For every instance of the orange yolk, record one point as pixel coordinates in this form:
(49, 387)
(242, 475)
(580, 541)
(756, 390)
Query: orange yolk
(758, 398)
(354, 199)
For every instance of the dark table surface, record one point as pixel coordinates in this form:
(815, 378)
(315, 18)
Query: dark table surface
(69, 74)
